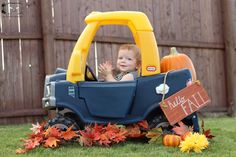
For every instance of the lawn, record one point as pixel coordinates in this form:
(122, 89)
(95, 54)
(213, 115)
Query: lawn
(222, 145)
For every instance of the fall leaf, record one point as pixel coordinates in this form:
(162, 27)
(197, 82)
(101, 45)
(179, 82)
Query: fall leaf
(104, 139)
(69, 134)
(112, 127)
(98, 128)
(85, 139)
(134, 131)
(52, 132)
(51, 142)
(181, 129)
(120, 137)
(154, 133)
(36, 128)
(21, 151)
(207, 133)
(31, 143)
(143, 124)
(156, 140)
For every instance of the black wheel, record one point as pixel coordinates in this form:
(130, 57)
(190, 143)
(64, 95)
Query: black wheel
(158, 120)
(63, 122)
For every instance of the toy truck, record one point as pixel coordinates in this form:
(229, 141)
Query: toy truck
(80, 98)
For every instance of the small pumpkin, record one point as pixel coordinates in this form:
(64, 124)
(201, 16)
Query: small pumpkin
(171, 140)
(183, 137)
(175, 61)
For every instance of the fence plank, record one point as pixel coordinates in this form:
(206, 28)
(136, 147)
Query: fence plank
(206, 25)
(196, 21)
(29, 20)
(186, 20)
(48, 36)
(37, 68)
(217, 26)
(157, 19)
(58, 27)
(27, 73)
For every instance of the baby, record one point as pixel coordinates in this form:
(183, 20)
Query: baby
(128, 62)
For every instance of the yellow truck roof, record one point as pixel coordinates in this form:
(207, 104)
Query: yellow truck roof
(142, 32)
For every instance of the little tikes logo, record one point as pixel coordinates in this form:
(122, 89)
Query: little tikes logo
(151, 68)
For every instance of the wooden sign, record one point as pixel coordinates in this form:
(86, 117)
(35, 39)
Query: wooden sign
(183, 103)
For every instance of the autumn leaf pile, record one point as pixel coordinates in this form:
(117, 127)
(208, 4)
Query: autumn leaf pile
(49, 138)
(190, 141)
(110, 134)
(104, 135)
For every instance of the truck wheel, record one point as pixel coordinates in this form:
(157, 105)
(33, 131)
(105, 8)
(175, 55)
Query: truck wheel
(62, 122)
(160, 121)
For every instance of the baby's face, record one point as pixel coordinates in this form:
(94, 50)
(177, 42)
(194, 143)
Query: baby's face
(126, 61)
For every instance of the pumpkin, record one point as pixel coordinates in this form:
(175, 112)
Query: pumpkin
(175, 61)
(171, 140)
(183, 137)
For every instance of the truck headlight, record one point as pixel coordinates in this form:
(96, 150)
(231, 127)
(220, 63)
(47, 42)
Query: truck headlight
(48, 91)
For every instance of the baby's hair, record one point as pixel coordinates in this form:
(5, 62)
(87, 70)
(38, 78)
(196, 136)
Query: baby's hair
(133, 48)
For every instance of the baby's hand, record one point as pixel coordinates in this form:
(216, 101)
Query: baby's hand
(105, 69)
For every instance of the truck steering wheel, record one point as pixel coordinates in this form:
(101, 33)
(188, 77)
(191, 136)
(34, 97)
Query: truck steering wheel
(89, 75)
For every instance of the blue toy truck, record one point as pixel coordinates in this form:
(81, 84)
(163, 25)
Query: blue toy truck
(80, 98)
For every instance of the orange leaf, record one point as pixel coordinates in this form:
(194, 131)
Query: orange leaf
(119, 137)
(21, 151)
(52, 132)
(181, 129)
(134, 131)
(69, 134)
(104, 140)
(51, 142)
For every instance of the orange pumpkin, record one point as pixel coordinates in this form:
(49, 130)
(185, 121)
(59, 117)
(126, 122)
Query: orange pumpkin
(175, 61)
(183, 137)
(171, 140)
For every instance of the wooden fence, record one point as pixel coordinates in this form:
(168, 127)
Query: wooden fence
(38, 35)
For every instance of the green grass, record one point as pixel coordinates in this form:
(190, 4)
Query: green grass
(222, 145)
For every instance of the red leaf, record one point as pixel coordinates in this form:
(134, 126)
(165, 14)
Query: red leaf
(69, 134)
(207, 133)
(143, 124)
(98, 128)
(51, 142)
(31, 143)
(86, 137)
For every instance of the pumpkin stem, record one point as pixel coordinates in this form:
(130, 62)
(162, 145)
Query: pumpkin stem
(173, 51)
